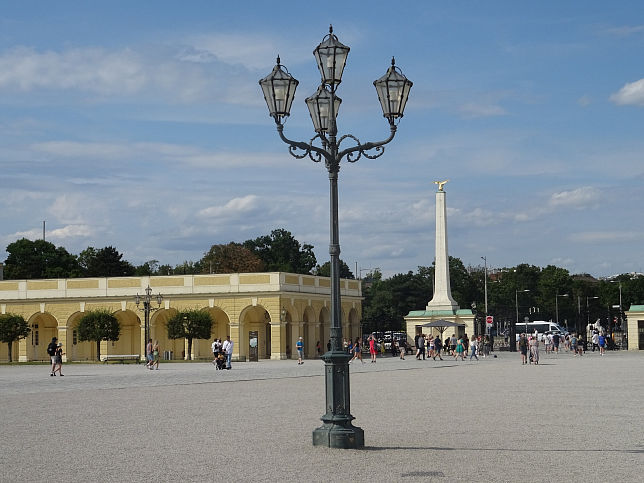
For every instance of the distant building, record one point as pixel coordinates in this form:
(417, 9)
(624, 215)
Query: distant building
(277, 307)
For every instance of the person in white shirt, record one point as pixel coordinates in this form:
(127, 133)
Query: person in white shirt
(228, 349)
(215, 350)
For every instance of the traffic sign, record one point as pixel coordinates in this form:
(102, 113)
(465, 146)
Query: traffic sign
(489, 320)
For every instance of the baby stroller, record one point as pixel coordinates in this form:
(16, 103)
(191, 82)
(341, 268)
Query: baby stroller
(221, 362)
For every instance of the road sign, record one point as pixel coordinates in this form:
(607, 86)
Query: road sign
(489, 320)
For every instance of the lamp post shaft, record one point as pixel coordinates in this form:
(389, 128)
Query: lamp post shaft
(279, 90)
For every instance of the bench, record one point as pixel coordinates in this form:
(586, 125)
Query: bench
(121, 357)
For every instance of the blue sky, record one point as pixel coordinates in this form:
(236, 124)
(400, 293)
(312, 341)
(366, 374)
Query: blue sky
(141, 125)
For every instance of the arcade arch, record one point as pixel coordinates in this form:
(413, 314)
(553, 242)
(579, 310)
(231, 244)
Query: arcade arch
(309, 332)
(255, 319)
(130, 336)
(77, 350)
(43, 327)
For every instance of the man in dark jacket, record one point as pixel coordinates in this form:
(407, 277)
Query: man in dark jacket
(51, 351)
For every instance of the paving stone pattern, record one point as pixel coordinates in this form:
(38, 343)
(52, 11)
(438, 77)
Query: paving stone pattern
(568, 419)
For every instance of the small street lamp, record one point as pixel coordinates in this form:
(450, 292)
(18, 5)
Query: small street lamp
(371, 270)
(485, 284)
(557, 305)
(516, 301)
(621, 320)
(147, 308)
(279, 91)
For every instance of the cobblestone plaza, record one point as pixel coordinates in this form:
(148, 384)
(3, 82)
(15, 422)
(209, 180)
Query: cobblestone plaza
(568, 419)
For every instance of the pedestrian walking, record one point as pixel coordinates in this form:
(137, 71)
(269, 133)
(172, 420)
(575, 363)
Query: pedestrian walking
(437, 348)
(51, 351)
(228, 349)
(318, 349)
(59, 359)
(534, 350)
(402, 347)
(523, 348)
(474, 345)
(372, 348)
(459, 350)
(601, 339)
(148, 354)
(299, 345)
(155, 355)
(420, 344)
(486, 346)
(555, 343)
(357, 351)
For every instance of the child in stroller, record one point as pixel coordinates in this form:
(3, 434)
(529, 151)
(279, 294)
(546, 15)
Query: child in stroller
(221, 361)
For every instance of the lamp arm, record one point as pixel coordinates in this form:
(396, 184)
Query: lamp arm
(308, 149)
(363, 148)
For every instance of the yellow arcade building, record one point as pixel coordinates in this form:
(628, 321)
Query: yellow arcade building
(268, 311)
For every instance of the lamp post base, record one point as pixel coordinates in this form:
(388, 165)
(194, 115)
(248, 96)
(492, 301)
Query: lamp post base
(337, 430)
(337, 436)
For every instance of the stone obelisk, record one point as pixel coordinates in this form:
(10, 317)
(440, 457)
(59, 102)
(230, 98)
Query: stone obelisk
(442, 300)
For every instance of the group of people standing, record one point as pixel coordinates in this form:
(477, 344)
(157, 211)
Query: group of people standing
(457, 347)
(222, 353)
(529, 344)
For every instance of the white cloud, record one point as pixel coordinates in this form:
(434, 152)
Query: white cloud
(255, 52)
(76, 208)
(578, 198)
(631, 94)
(475, 110)
(71, 231)
(234, 207)
(584, 101)
(160, 152)
(605, 236)
(90, 69)
(625, 30)
(103, 73)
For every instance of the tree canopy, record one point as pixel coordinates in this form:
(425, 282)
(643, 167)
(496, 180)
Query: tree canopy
(13, 328)
(324, 270)
(105, 262)
(98, 325)
(281, 252)
(190, 324)
(38, 259)
(231, 258)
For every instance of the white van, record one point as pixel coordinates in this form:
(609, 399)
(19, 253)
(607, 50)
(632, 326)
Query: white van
(541, 326)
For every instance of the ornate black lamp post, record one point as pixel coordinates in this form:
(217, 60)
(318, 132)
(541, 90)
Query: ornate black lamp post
(279, 86)
(147, 308)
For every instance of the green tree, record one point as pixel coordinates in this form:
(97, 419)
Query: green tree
(190, 324)
(12, 328)
(554, 281)
(151, 267)
(106, 262)
(187, 268)
(98, 325)
(388, 301)
(231, 258)
(281, 252)
(324, 270)
(38, 259)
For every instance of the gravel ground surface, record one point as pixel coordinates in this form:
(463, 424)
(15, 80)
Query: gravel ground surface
(568, 419)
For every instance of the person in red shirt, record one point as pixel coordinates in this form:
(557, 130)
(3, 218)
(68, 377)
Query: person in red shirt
(372, 347)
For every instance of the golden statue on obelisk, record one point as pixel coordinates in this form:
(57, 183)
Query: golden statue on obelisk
(441, 184)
